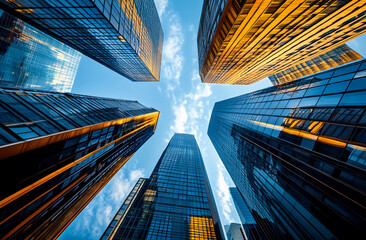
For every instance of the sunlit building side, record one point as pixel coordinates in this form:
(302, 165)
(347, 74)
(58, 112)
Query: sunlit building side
(125, 36)
(336, 57)
(57, 151)
(176, 202)
(297, 153)
(30, 58)
(241, 42)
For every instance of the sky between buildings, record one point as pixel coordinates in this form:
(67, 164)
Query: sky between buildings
(185, 106)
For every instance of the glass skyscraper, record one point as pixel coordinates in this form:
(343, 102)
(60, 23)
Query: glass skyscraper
(124, 35)
(297, 153)
(30, 58)
(241, 41)
(176, 202)
(57, 151)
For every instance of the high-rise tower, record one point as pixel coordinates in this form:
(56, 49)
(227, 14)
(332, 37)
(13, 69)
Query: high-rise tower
(242, 41)
(124, 35)
(176, 202)
(297, 152)
(57, 152)
(30, 58)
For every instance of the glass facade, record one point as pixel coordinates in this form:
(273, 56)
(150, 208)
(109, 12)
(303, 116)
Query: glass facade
(252, 232)
(124, 35)
(297, 153)
(336, 57)
(57, 151)
(176, 202)
(241, 42)
(30, 58)
(235, 232)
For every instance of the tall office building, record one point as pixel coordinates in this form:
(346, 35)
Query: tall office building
(30, 58)
(249, 225)
(297, 152)
(124, 35)
(57, 151)
(241, 41)
(176, 202)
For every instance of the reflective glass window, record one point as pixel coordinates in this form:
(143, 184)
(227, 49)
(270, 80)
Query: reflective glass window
(336, 88)
(354, 98)
(344, 70)
(357, 84)
(330, 100)
(314, 91)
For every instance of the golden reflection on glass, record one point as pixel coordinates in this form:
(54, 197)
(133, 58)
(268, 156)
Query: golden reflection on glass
(262, 38)
(201, 227)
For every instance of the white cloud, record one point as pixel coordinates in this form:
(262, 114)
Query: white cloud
(224, 193)
(189, 110)
(97, 215)
(172, 63)
(160, 6)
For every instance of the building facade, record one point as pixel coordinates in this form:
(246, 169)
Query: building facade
(176, 202)
(125, 36)
(241, 42)
(30, 58)
(235, 231)
(248, 223)
(297, 153)
(57, 151)
(336, 57)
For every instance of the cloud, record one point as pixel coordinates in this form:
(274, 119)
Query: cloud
(224, 193)
(172, 63)
(97, 215)
(160, 6)
(190, 109)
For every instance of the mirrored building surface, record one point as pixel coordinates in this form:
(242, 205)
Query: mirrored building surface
(297, 153)
(57, 152)
(30, 58)
(241, 41)
(176, 202)
(125, 36)
(336, 57)
(248, 223)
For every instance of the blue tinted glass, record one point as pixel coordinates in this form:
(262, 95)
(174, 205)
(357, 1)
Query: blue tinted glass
(357, 84)
(342, 78)
(336, 88)
(330, 100)
(314, 91)
(360, 74)
(345, 70)
(353, 99)
(308, 102)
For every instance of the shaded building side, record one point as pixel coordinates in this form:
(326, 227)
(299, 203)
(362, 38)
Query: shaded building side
(297, 153)
(57, 152)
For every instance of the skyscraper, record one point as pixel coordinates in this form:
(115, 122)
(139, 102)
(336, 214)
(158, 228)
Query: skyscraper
(241, 42)
(124, 35)
(297, 152)
(176, 202)
(30, 58)
(57, 152)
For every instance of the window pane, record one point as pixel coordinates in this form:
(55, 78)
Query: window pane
(355, 98)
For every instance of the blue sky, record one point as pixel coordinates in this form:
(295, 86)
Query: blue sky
(185, 105)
